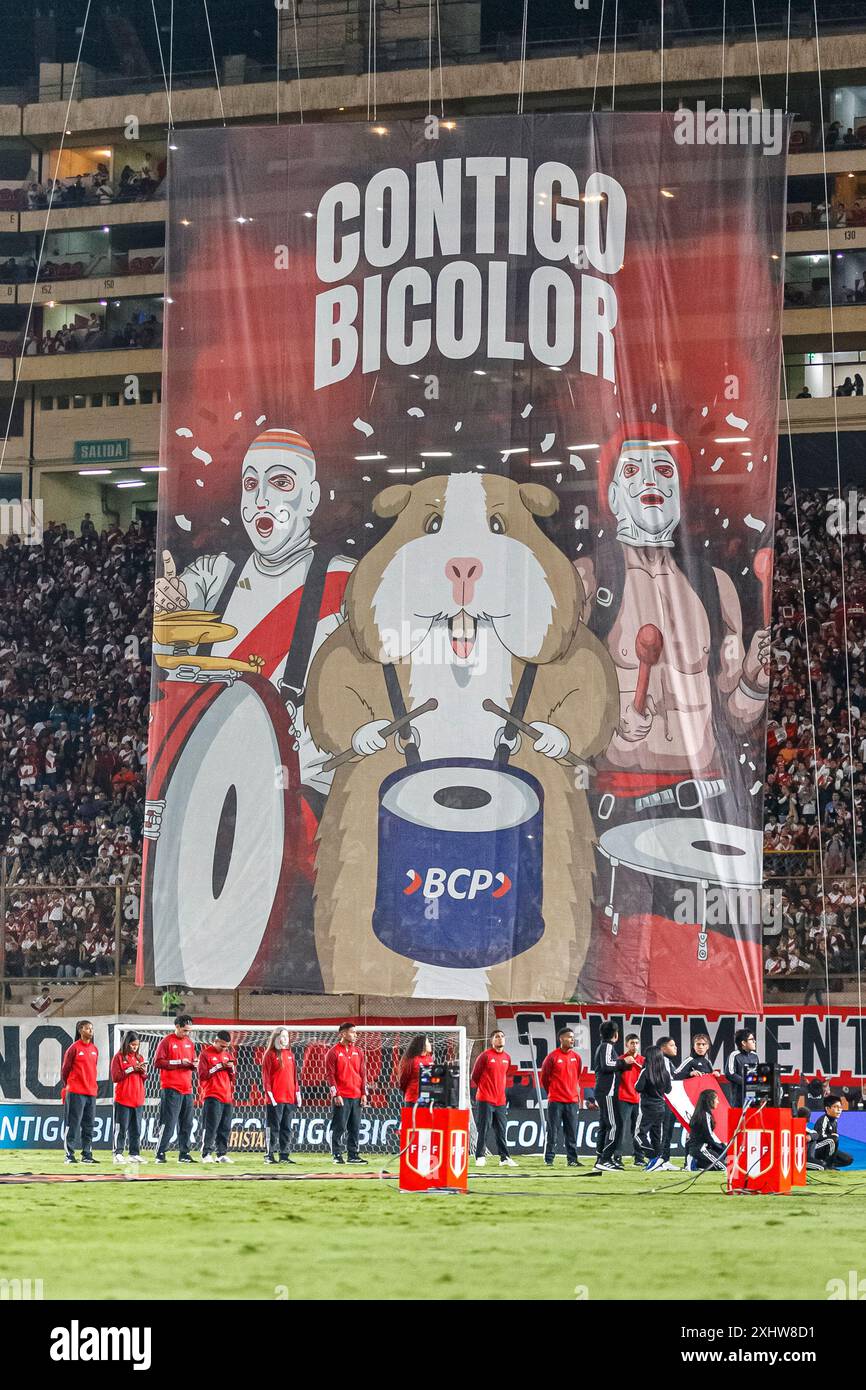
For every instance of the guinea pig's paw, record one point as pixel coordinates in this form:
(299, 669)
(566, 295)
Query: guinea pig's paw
(552, 741)
(368, 739)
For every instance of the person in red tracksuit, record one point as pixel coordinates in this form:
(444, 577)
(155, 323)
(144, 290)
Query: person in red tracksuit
(346, 1072)
(560, 1076)
(490, 1077)
(128, 1070)
(418, 1054)
(216, 1084)
(78, 1074)
(280, 1085)
(174, 1059)
(628, 1100)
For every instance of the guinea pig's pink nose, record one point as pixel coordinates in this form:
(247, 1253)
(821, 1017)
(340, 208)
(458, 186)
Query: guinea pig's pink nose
(463, 571)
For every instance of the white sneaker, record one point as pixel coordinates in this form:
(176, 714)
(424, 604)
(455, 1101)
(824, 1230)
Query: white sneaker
(209, 1158)
(119, 1158)
(138, 1158)
(224, 1158)
(507, 1163)
(480, 1162)
(669, 1168)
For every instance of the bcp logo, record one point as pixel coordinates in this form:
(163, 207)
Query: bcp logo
(459, 883)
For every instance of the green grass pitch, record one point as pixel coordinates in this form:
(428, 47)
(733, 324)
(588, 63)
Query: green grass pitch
(532, 1233)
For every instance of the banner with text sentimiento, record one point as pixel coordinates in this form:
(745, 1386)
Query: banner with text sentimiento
(461, 623)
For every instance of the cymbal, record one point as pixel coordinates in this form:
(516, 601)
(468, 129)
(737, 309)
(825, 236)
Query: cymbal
(190, 627)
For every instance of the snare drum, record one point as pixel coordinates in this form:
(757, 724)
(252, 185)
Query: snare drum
(460, 863)
(653, 861)
(223, 830)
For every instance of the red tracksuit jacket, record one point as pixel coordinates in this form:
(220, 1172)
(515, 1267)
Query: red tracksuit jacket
(409, 1076)
(128, 1072)
(346, 1071)
(490, 1076)
(216, 1076)
(627, 1081)
(78, 1071)
(560, 1075)
(279, 1076)
(167, 1058)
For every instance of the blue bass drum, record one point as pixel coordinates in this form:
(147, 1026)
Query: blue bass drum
(460, 863)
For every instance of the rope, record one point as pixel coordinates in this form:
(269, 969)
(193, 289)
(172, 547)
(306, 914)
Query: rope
(213, 56)
(162, 65)
(277, 78)
(724, 25)
(788, 56)
(615, 32)
(522, 78)
(429, 57)
(19, 361)
(758, 55)
(662, 57)
(298, 61)
(371, 62)
(439, 54)
(598, 55)
(841, 529)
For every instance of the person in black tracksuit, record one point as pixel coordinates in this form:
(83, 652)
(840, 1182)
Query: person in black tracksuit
(704, 1148)
(608, 1066)
(652, 1086)
(824, 1148)
(742, 1060)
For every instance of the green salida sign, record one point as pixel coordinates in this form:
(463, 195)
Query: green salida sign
(101, 450)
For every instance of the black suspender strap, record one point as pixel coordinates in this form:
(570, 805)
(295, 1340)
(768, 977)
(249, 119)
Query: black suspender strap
(294, 674)
(518, 709)
(398, 710)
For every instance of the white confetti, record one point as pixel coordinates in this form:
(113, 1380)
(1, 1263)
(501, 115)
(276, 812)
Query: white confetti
(203, 456)
(184, 523)
(331, 495)
(742, 755)
(725, 524)
(458, 426)
(547, 442)
(755, 788)
(716, 512)
(416, 412)
(749, 466)
(526, 412)
(706, 543)
(752, 767)
(238, 415)
(577, 463)
(261, 419)
(559, 478)
(753, 521)
(736, 422)
(703, 451)
(362, 425)
(365, 478)
(225, 521)
(705, 410)
(184, 432)
(199, 483)
(369, 525)
(349, 541)
(653, 408)
(714, 467)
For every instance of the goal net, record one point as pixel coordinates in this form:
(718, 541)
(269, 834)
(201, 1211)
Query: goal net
(383, 1048)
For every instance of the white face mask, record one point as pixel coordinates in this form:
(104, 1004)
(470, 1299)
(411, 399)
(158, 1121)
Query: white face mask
(279, 494)
(644, 494)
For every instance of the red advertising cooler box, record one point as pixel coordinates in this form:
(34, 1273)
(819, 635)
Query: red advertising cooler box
(434, 1148)
(761, 1158)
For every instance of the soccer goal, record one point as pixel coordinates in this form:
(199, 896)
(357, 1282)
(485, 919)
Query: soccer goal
(383, 1048)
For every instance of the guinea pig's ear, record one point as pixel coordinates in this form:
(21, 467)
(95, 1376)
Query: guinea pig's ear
(538, 500)
(393, 500)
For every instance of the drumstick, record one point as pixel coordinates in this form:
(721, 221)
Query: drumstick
(349, 753)
(648, 648)
(763, 568)
(527, 729)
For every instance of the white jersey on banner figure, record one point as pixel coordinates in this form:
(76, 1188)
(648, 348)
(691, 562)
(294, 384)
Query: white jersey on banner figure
(261, 599)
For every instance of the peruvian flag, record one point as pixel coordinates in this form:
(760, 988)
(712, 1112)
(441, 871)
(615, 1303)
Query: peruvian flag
(683, 1096)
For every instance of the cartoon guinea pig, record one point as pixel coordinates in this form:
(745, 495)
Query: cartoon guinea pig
(464, 600)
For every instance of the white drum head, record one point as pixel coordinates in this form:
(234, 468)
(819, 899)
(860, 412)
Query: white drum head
(220, 850)
(469, 799)
(688, 849)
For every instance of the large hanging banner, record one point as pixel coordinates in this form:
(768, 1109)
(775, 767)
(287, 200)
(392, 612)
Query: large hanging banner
(460, 635)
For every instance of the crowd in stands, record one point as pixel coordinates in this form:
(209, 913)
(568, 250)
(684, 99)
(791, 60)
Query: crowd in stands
(74, 683)
(91, 336)
(133, 185)
(810, 778)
